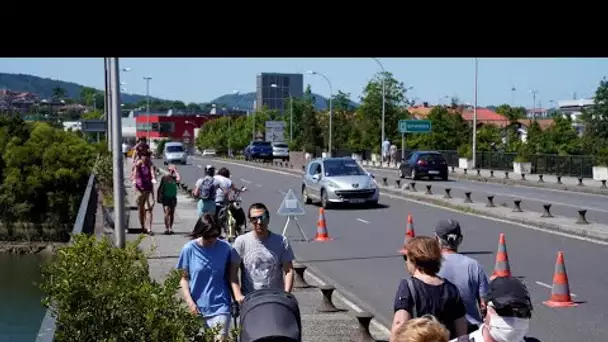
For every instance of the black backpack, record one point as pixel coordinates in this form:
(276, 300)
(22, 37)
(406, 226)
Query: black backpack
(270, 315)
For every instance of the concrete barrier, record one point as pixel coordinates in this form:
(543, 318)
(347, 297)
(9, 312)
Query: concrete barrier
(327, 304)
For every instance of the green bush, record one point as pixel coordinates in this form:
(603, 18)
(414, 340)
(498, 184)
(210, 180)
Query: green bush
(601, 157)
(465, 151)
(524, 153)
(103, 293)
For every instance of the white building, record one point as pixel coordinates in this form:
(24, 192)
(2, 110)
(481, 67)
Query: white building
(573, 109)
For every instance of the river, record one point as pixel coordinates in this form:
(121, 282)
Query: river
(21, 312)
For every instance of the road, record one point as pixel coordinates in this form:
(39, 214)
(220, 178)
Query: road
(564, 203)
(362, 257)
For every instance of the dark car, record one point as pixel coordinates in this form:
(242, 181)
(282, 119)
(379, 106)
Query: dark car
(429, 164)
(259, 150)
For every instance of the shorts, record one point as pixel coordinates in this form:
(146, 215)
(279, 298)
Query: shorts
(170, 202)
(145, 197)
(205, 206)
(222, 320)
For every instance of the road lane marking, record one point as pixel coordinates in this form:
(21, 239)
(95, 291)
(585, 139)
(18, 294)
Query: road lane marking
(259, 185)
(362, 221)
(245, 181)
(550, 287)
(490, 218)
(199, 166)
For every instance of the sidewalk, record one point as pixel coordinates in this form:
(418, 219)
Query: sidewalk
(333, 327)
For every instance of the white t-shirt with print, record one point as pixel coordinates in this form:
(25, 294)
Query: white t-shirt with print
(224, 185)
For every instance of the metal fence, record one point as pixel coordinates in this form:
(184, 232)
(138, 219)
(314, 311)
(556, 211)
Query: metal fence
(85, 223)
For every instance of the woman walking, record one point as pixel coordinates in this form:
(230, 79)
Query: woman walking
(205, 263)
(167, 196)
(144, 184)
(205, 190)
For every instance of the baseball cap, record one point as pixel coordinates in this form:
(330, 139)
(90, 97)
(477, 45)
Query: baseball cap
(444, 228)
(506, 292)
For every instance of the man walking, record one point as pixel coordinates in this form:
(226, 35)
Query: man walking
(464, 272)
(265, 257)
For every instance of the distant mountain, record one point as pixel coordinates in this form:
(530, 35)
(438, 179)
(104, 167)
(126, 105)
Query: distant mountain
(245, 101)
(43, 87)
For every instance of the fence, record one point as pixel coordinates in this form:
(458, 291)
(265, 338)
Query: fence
(85, 223)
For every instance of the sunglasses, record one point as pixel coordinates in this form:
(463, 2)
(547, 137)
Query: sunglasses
(257, 219)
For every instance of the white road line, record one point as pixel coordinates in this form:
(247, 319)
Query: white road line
(362, 221)
(259, 185)
(384, 194)
(540, 283)
(245, 181)
(282, 192)
(199, 166)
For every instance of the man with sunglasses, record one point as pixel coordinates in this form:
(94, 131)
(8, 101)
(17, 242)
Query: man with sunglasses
(265, 258)
(507, 312)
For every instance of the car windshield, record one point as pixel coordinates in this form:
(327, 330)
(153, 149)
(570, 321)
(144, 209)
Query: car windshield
(281, 145)
(342, 168)
(261, 143)
(436, 157)
(175, 148)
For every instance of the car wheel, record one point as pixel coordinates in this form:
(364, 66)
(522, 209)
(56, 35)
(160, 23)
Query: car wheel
(413, 174)
(400, 173)
(325, 204)
(305, 197)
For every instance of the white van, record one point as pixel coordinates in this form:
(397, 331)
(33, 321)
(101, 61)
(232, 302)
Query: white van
(175, 152)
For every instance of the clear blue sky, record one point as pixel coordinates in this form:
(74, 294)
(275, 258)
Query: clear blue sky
(203, 79)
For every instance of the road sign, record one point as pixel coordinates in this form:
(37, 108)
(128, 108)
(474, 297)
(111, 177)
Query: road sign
(93, 126)
(291, 206)
(186, 134)
(275, 131)
(415, 126)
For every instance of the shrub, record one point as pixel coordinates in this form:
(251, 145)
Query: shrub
(102, 293)
(465, 151)
(524, 153)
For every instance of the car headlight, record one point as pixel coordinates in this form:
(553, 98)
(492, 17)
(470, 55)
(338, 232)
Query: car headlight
(372, 184)
(332, 185)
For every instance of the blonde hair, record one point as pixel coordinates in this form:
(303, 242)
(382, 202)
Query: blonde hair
(423, 329)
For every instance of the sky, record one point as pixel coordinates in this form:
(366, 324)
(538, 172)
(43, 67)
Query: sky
(432, 79)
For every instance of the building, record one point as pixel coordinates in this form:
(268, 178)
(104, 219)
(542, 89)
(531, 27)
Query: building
(273, 90)
(574, 109)
(175, 128)
(537, 113)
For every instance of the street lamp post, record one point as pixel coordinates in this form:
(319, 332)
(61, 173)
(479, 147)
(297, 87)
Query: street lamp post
(475, 116)
(148, 79)
(513, 96)
(107, 102)
(235, 92)
(383, 98)
(117, 157)
(331, 114)
(534, 92)
(290, 113)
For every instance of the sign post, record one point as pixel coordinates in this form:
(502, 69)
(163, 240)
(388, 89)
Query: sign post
(292, 208)
(412, 126)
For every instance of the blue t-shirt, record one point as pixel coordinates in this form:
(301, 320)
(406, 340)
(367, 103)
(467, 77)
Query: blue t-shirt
(208, 267)
(470, 279)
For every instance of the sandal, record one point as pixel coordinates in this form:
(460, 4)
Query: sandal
(167, 232)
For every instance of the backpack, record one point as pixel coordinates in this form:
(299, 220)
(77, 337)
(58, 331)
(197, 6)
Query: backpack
(270, 315)
(207, 189)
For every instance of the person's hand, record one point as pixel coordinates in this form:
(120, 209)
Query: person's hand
(193, 309)
(239, 299)
(243, 189)
(153, 180)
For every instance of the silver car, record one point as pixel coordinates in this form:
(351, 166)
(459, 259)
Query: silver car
(175, 152)
(338, 180)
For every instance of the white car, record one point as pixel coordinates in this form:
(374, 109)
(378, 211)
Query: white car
(280, 150)
(210, 152)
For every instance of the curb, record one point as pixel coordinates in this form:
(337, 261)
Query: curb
(466, 208)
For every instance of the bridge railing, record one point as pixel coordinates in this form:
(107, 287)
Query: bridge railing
(85, 223)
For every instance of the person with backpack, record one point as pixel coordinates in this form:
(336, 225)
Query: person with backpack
(205, 190)
(167, 196)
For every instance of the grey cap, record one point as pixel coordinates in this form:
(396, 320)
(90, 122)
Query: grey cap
(445, 228)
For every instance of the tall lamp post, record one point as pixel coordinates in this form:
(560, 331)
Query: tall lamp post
(383, 98)
(290, 112)
(331, 114)
(534, 92)
(148, 79)
(475, 117)
(117, 157)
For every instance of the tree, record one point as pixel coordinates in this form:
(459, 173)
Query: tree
(311, 135)
(562, 138)
(596, 120)
(449, 131)
(511, 113)
(58, 93)
(489, 137)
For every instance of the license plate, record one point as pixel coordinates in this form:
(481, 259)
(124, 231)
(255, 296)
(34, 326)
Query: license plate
(356, 200)
(433, 172)
(263, 154)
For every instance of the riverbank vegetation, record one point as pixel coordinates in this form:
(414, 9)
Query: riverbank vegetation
(43, 175)
(103, 293)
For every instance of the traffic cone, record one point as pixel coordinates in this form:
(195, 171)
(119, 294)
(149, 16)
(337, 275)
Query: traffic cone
(501, 268)
(409, 232)
(322, 234)
(560, 292)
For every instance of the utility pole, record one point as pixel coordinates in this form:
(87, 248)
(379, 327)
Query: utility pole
(290, 118)
(475, 117)
(534, 91)
(148, 78)
(513, 96)
(107, 102)
(117, 157)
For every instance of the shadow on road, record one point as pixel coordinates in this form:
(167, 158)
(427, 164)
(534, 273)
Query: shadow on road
(355, 206)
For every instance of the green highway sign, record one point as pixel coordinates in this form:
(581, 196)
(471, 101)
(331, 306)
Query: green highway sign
(415, 126)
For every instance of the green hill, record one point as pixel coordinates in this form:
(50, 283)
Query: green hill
(245, 101)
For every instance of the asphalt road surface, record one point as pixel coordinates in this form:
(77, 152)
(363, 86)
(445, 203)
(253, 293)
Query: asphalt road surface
(564, 203)
(363, 257)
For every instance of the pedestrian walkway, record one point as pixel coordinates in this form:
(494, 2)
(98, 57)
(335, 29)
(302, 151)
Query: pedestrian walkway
(317, 327)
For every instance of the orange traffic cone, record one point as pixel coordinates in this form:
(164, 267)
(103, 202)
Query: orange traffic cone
(322, 234)
(560, 292)
(409, 232)
(501, 268)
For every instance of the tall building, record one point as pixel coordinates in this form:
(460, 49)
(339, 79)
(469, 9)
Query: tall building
(273, 90)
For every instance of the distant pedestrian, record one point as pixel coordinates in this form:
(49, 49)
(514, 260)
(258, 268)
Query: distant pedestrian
(144, 185)
(205, 191)
(425, 293)
(423, 329)
(167, 196)
(266, 257)
(386, 145)
(464, 272)
(205, 262)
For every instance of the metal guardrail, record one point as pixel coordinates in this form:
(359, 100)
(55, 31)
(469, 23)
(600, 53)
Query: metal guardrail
(85, 222)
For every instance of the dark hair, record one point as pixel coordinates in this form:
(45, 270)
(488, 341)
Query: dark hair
(424, 253)
(210, 171)
(260, 206)
(224, 172)
(206, 226)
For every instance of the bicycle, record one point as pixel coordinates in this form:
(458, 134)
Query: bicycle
(232, 216)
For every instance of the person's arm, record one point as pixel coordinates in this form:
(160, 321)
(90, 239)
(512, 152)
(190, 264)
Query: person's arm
(196, 186)
(287, 263)
(183, 264)
(234, 273)
(401, 307)
(457, 312)
(178, 178)
(483, 285)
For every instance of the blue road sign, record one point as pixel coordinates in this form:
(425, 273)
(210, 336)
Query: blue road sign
(415, 126)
